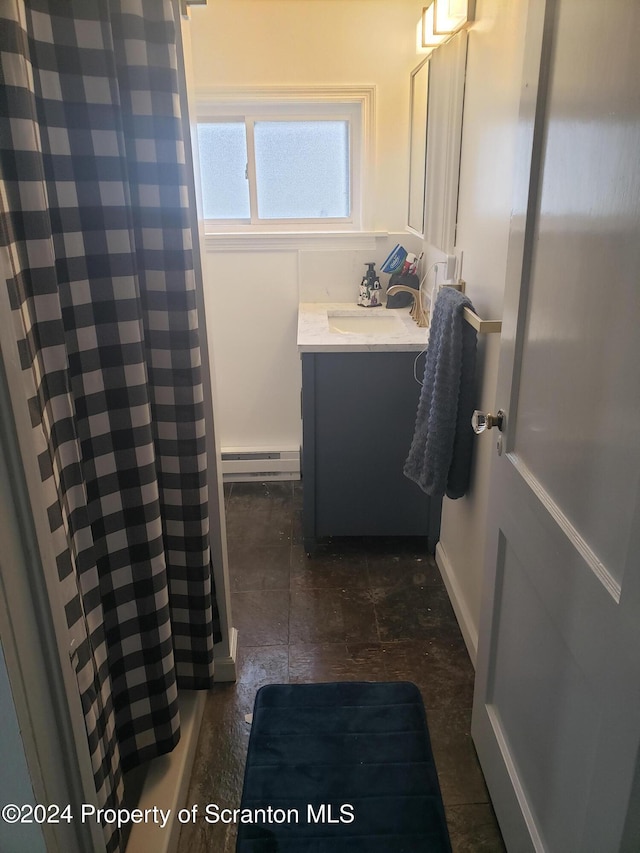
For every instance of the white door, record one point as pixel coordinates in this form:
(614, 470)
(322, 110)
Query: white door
(557, 707)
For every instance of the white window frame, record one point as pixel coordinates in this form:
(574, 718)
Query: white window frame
(341, 103)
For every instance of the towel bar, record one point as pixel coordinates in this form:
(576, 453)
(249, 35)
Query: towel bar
(485, 327)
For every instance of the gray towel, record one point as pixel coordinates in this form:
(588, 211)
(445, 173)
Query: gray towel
(439, 460)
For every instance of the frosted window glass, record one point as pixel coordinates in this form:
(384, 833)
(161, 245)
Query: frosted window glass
(223, 163)
(302, 169)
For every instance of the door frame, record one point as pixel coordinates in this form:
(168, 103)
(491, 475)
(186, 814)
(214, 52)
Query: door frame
(33, 626)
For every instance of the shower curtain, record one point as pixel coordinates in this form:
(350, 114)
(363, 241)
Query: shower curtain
(94, 220)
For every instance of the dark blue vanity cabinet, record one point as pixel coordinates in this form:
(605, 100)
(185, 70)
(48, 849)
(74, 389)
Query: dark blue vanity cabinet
(358, 412)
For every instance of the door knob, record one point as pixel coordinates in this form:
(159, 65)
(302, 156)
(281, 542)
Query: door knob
(480, 421)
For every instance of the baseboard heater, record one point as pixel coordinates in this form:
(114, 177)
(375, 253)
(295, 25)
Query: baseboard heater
(241, 465)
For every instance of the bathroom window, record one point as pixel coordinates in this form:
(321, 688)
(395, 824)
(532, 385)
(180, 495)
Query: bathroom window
(276, 164)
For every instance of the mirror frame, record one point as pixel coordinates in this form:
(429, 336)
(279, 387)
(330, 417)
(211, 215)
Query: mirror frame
(418, 122)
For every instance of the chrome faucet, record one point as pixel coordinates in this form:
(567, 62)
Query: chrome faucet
(418, 312)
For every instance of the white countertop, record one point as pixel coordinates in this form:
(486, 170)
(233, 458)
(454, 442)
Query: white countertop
(314, 334)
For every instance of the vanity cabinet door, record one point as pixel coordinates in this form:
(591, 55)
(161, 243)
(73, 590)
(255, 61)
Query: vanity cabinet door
(359, 412)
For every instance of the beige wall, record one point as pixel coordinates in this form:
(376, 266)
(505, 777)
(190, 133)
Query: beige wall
(317, 43)
(486, 183)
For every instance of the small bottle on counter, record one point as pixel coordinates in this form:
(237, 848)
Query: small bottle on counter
(370, 290)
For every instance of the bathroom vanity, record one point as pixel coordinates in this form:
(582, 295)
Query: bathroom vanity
(359, 402)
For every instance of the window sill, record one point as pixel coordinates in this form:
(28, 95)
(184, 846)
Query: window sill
(270, 241)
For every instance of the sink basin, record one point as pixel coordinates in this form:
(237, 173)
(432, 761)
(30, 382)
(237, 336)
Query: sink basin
(347, 327)
(366, 323)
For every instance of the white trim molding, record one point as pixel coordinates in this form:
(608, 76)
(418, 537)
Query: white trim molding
(186, 4)
(467, 627)
(167, 779)
(279, 241)
(229, 100)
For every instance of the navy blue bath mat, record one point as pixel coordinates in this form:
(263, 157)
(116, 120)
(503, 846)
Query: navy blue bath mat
(340, 768)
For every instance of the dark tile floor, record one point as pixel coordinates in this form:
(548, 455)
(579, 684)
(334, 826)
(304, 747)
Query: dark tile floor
(364, 609)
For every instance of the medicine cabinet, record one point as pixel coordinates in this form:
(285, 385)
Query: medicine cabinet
(437, 102)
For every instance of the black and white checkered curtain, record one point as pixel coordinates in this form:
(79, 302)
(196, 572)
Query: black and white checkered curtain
(94, 221)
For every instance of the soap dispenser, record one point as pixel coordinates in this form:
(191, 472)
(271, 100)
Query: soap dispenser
(370, 290)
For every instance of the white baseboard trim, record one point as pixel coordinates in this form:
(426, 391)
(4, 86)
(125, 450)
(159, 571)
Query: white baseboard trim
(224, 668)
(469, 630)
(166, 784)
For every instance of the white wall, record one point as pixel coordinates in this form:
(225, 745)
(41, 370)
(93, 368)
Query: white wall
(486, 183)
(252, 297)
(251, 302)
(317, 43)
